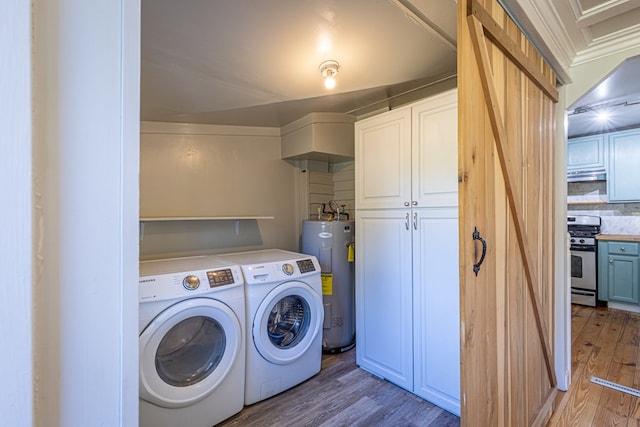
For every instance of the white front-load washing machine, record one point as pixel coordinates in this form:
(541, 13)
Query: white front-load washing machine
(284, 320)
(192, 341)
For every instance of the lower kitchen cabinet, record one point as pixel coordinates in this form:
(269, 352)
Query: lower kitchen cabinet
(618, 271)
(407, 298)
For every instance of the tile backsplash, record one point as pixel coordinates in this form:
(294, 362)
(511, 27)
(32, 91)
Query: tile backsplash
(617, 218)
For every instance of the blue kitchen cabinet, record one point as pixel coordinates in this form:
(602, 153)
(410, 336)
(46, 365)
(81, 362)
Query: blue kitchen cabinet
(586, 153)
(623, 176)
(618, 271)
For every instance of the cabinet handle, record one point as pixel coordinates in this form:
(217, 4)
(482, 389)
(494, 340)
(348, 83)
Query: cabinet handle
(415, 220)
(476, 236)
(610, 261)
(621, 248)
(406, 221)
(406, 204)
(414, 203)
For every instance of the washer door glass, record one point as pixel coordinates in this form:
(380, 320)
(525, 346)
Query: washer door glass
(187, 351)
(190, 351)
(288, 321)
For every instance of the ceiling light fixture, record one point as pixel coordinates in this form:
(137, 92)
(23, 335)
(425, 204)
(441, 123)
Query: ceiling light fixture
(329, 69)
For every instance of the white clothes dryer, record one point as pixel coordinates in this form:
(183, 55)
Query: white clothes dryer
(284, 320)
(192, 341)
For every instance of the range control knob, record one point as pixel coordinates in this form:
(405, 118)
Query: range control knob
(287, 269)
(191, 282)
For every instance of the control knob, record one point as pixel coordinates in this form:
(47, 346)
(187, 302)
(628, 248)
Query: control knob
(191, 282)
(287, 269)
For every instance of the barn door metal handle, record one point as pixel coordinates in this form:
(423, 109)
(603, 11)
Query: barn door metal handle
(476, 236)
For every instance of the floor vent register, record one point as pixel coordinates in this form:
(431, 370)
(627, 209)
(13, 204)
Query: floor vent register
(615, 386)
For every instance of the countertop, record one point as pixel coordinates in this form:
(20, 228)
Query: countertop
(619, 237)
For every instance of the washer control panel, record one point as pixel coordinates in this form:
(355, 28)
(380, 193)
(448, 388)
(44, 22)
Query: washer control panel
(173, 285)
(220, 277)
(306, 265)
(280, 270)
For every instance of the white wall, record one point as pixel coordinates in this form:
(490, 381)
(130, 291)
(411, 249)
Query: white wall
(16, 315)
(207, 171)
(85, 204)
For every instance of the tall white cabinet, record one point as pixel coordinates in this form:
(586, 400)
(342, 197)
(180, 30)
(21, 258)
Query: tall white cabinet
(407, 283)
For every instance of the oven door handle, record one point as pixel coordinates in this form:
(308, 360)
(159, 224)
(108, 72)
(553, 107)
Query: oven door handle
(476, 236)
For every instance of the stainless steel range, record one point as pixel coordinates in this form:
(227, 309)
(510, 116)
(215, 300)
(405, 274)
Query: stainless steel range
(583, 246)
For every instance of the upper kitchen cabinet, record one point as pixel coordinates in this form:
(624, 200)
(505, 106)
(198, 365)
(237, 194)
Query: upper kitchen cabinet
(586, 153)
(408, 157)
(623, 173)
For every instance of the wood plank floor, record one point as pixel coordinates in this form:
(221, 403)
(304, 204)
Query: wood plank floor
(343, 395)
(604, 345)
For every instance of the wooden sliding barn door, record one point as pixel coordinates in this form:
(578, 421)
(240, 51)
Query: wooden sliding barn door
(506, 122)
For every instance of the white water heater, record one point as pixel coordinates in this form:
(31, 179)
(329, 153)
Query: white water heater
(332, 242)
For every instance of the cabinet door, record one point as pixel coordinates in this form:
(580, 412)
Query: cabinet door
(586, 153)
(623, 178)
(603, 270)
(434, 151)
(384, 295)
(623, 278)
(383, 160)
(436, 341)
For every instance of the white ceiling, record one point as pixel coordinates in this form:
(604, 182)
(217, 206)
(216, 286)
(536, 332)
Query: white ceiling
(577, 31)
(255, 63)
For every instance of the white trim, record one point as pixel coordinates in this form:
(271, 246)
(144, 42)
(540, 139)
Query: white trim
(130, 185)
(16, 310)
(203, 129)
(85, 189)
(562, 310)
(622, 306)
(608, 47)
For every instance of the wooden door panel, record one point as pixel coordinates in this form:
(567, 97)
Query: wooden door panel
(506, 119)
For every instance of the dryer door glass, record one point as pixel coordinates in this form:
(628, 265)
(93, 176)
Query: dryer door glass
(288, 321)
(190, 351)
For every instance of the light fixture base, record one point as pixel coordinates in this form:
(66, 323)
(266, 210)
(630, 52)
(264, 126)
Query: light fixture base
(329, 68)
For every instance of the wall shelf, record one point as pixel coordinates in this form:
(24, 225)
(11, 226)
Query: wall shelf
(595, 202)
(200, 218)
(235, 218)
